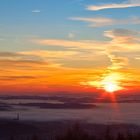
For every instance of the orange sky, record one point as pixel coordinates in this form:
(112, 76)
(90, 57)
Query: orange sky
(74, 48)
(44, 78)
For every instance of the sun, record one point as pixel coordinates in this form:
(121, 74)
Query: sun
(111, 87)
(111, 82)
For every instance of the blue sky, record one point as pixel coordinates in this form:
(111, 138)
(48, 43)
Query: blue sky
(18, 18)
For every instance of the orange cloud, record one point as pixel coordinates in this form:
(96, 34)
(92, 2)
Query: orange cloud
(81, 44)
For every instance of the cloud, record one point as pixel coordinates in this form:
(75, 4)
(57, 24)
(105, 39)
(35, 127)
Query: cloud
(117, 62)
(121, 32)
(123, 38)
(84, 52)
(102, 21)
(70, 58)
(77, 53)
(17, 56)
(126, 4)
(73, 44)
(36, 11)
(7, 78)
(20, 63)
(124, 48)
(122, 41)
(17, 60)
(50, 55)
(8, 54)
(138, 58)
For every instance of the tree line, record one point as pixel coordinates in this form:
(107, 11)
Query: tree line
(77, 133)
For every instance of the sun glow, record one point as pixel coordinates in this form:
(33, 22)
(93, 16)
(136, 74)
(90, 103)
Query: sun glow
(111, 82)
(111, 87)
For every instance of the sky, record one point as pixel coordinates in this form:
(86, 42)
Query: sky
(70, 46)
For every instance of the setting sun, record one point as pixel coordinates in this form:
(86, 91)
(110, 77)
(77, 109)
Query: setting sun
(111, 87)
(111, 82)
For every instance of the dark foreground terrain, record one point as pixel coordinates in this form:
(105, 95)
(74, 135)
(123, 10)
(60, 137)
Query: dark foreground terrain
(66, 130)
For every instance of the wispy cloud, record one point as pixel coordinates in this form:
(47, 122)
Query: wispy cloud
(36, 11)
(117, 62)
(121, 41)
(50, 55)
(124, 39)
(73, 44)
(7, 78)
(126, 4)
(17, 60)
(102, 21)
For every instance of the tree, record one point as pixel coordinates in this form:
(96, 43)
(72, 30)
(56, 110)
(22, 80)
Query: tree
(107, 134)
(12, 138)
(75, 133)
(35, 137)
(120, 137)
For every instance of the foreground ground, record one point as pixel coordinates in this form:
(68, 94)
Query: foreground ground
(26, 130)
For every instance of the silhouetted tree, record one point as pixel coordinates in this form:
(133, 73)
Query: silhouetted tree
(75, 133)
(34, 137)
(137, 137)
(120, 137)
(12, 138)
(107, 134)
(129, 136)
